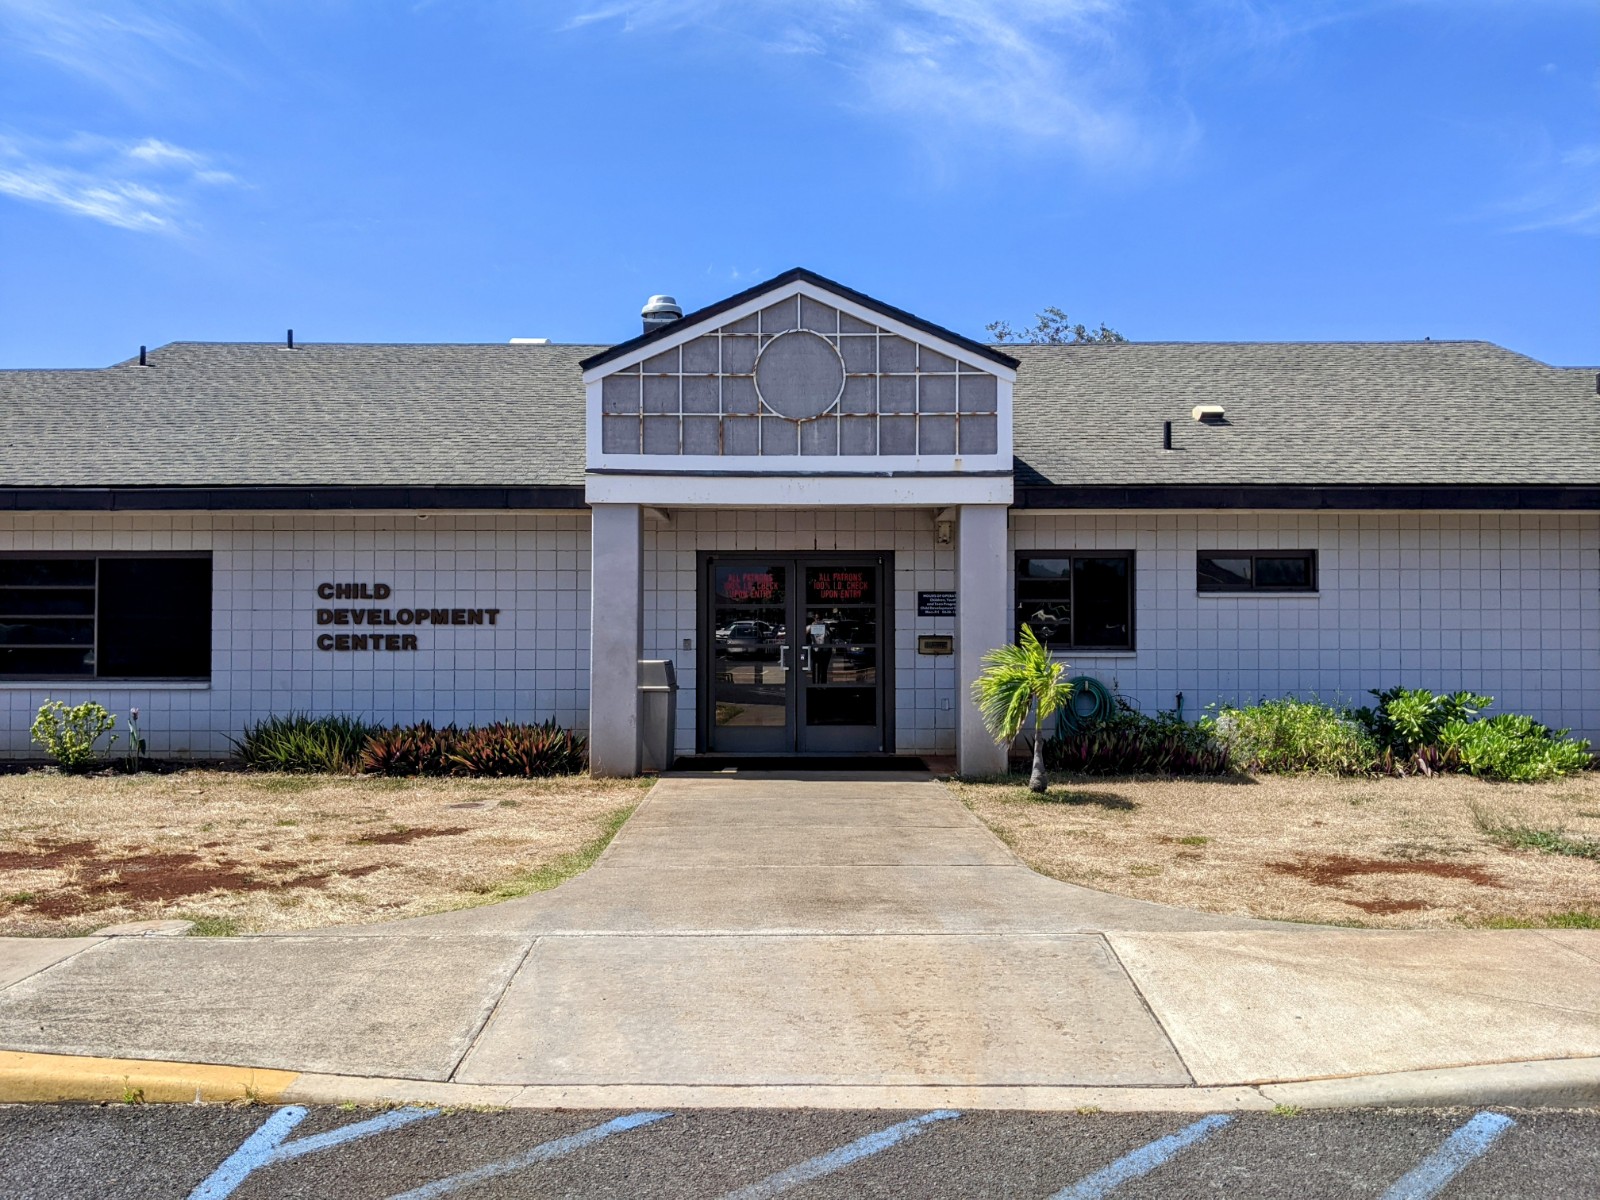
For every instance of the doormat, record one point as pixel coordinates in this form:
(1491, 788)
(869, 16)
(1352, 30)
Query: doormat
(799, 762)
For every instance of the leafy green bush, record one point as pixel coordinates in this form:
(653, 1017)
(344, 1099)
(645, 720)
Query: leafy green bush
(301, 742)
(1130, 743)
(502, 749)
(1515, 748)
(1430, 732)
(1292, 736)
(70, 734)
(1406, 720)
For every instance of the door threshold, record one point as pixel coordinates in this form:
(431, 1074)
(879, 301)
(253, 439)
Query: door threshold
(734, 763)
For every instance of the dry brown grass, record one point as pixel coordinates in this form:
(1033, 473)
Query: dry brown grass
(1390, 853)
(248, 852)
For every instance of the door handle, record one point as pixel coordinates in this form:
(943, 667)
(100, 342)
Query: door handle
(805, 658)
(783, 658)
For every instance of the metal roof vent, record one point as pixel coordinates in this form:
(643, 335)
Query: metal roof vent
(659, 312)
(1208, 412)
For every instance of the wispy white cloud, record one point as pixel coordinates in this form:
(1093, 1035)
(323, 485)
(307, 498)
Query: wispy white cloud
(1567, 198)
(126, 47)
(1030, 72)
(143, 186)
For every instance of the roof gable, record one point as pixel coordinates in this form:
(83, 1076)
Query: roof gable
(762, 294)
(798, 377)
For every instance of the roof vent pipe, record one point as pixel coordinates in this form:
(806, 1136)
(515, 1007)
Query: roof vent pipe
(143, 360)
(659, 312)
(1166, 435)
(289, 345)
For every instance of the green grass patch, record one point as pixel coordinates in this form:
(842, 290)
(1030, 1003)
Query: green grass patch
(1565, 920)
(559, 870)
(205, 926)
(1194, 840)
(1546, 841)
(1513, 836)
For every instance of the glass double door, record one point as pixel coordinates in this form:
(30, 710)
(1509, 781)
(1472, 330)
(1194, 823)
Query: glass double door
(796, 654)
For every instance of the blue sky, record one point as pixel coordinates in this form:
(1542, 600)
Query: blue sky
(1216, 169)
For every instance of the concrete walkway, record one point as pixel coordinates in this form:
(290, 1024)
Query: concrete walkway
(824, 932)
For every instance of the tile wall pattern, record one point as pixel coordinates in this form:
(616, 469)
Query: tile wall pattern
(1500, 603)
(532, 664)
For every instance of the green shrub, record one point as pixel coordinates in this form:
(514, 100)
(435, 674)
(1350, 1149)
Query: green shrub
(498, 750)
(1406, 720)
(301, 742)
(1130, 743)
(1294, 737)
(1515, 748)
(1430, 732)
(70, 734)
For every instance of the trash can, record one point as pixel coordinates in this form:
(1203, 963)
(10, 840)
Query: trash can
(658, 714)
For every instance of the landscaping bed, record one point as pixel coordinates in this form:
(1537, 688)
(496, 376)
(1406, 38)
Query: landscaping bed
(1406, 853)
(250, 852)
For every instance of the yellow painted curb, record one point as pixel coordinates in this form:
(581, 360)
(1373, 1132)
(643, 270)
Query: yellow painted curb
(50, 1078)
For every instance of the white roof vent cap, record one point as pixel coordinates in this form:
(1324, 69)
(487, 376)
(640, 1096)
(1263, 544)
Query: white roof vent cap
(660, 311)
(1208, 412)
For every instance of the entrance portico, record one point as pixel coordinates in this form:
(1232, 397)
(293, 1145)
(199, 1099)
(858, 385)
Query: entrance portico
(805, 401)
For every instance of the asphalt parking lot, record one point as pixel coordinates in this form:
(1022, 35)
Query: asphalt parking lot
(250, 1153)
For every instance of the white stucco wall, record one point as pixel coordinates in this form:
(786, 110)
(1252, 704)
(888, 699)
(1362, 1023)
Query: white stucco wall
(532, 664)
(924, 686)
(1500, 603)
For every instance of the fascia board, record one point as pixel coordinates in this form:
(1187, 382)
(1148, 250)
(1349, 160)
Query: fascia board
(798, 491)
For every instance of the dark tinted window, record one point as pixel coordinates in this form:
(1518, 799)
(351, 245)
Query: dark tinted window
(1252, 571)
(113, 617)
(155, 618)
(47, 616)
(1077, 601)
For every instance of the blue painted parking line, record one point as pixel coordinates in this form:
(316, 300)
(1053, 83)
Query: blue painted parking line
(1461, 1148)
(826, 1164)
(528, 1158)
(1141, 1161)
(266, 1145)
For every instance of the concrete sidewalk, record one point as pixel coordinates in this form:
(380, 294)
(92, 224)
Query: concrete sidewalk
(821, 936)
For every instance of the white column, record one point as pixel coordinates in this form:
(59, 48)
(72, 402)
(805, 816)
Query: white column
(983, 622)
(616, 624)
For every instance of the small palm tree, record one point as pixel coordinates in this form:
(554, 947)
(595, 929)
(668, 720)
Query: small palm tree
(1016, 679)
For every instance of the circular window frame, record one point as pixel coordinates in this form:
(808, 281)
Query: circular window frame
(829, 409)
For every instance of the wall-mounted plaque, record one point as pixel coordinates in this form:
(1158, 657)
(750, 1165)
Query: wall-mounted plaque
(936, 604)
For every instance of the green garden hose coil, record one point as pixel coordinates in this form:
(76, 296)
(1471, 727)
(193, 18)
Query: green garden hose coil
(1091, 701)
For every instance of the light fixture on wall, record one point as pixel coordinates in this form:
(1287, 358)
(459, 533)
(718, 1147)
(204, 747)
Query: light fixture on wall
(944, 527)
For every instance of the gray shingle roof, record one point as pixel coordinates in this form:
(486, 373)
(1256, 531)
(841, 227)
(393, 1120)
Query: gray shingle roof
(219, 415)
(1303, 413)
(231, 414)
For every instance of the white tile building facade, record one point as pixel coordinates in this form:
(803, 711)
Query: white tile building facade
(1507, 604)
(526, 523)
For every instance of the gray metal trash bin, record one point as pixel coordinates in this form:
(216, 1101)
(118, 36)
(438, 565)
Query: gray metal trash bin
(658, 713)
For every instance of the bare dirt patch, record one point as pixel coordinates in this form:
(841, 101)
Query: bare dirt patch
(1390, 853)
(275, 852)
